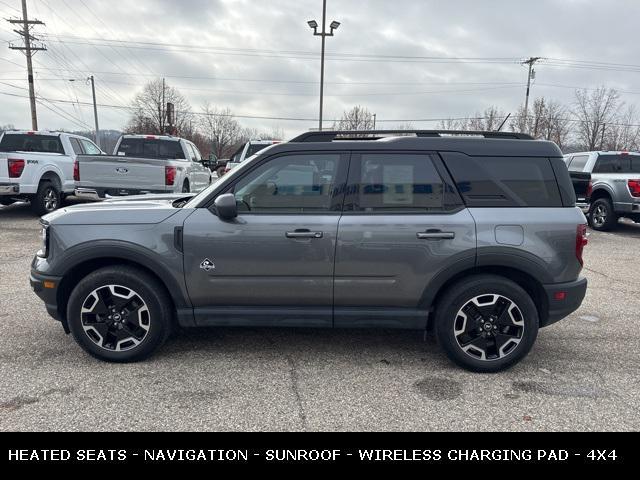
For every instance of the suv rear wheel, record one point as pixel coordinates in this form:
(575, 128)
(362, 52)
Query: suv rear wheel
(602, 217)
(486, 323)
(119, 314)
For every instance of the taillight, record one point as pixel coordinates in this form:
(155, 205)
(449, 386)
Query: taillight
(16, 167)
(169, 175)
(634, 187)
(581, 241)
(589, 189)
(76, 171)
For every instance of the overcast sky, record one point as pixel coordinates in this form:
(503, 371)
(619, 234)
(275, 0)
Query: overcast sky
(259, 58)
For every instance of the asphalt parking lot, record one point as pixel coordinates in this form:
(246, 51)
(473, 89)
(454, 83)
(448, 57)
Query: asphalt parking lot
(583, 373)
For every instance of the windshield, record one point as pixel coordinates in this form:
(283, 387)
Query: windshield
(31, 143)
(150, 148)
(255, 148)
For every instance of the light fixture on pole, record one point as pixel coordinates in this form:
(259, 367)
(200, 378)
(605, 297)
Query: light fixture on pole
(323, 33)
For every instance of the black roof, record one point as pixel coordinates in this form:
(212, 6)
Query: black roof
(469, 143)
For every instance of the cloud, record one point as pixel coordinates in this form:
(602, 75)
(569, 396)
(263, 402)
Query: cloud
(260, 57)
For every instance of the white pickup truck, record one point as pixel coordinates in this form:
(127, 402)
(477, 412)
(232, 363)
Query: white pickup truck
(143, 164)
(39, 167)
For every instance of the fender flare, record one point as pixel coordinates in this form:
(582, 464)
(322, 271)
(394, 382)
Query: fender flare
(115, 249)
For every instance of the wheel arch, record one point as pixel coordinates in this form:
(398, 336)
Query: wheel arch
(80, 265)
(600, 191)
(530, 283)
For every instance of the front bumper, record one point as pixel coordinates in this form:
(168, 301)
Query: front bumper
(46, 287)
(9, 189)
(564, 299)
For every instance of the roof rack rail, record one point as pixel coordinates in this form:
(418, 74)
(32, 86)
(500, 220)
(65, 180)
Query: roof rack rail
(331, 135)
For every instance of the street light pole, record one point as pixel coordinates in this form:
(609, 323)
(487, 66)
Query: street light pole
(334, 25)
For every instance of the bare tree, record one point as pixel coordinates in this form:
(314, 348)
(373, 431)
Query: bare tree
(488, 121)
(358, 118)
(624, 133)
(150, 110)
(546, 120)
(221, 129)
(594, 111)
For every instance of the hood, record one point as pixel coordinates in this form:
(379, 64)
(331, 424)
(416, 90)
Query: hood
(135, 210)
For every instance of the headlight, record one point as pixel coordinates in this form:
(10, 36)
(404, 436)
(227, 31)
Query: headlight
(44, 249)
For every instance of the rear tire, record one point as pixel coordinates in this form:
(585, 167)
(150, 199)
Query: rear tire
(486, 323)
(185, 187)
(47, 199)
(220, 171)
(120, 314)
(602, 216)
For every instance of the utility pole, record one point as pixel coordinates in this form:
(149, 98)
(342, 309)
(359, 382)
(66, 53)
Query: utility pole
(530, 61)
(604, 128)
(163, 127)
(334, 25)
(95, 111)
(374, 120)
(29, 50)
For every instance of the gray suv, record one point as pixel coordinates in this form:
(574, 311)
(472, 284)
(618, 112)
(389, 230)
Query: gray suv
(474, 235)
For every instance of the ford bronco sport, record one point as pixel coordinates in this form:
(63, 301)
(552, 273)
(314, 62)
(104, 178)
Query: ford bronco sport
(475, 235)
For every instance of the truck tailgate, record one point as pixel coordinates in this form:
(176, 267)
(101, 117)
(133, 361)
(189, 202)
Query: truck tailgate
(4, 171)
(122, 174)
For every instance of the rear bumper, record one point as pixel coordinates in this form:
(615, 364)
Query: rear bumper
(564, 299)
(105, 193)
(46, 287)
(9, 189)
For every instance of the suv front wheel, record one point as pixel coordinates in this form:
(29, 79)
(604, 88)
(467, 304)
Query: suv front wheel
(119, 314)
(486, 323)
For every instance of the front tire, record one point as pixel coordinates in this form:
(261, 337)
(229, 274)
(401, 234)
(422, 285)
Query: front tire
(119, 314)
(47, 199)
(602, 216)
(486, 323)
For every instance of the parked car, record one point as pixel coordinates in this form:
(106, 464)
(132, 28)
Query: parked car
(142, 164)
(475, 236)
(38, 167)
(247, 150)
(217, 165)
(615, 183)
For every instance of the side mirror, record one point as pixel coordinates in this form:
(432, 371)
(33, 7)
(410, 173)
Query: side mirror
(226, 207)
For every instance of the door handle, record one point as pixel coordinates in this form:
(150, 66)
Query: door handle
(304, 234)
(435, 235)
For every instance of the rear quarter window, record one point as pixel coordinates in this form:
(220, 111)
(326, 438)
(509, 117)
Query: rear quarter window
(504, 181)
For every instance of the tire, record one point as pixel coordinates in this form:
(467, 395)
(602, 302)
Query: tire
(602, 216)
(111, 335)
(472, 303)
(185, 187)
(47, 199)
(6, 201)
(220, 172)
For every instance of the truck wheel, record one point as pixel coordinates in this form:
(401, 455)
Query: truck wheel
(486, 323)
(185, 187)
(602, 217)
(119, 314)
(220, 171)
(47, 198)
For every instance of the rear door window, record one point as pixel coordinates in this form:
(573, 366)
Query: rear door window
(504, 181)
(578, 163)
(394, 183)
(75, 145)
(90, 148)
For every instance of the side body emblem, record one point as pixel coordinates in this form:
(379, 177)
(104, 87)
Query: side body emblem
(207, 265)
